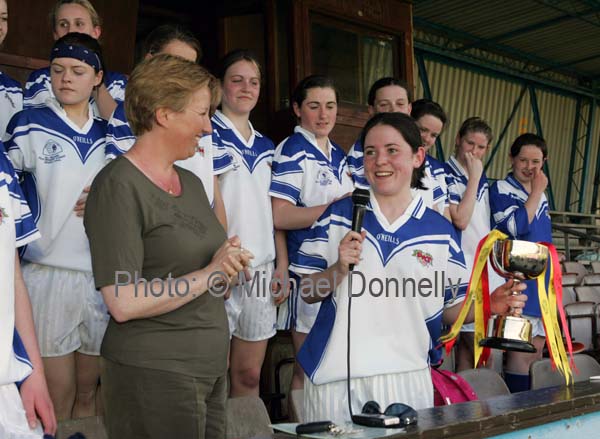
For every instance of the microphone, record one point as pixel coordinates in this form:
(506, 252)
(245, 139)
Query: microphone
(360, 199)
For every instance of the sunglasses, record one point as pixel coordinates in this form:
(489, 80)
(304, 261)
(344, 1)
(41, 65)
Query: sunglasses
(405, 413)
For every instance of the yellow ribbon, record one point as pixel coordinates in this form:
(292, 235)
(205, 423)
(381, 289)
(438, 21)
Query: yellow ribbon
(475, 294)
(549, 317)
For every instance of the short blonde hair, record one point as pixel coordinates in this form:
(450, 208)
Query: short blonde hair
(85, 4)
(164, 81)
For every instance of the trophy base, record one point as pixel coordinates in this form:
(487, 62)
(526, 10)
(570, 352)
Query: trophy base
(509, 333)
(507, 344)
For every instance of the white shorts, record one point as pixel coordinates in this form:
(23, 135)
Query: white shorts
(13, 423)
(296, 314)
(251, 313)
(286, 312)
(330, 401)
(69, 313)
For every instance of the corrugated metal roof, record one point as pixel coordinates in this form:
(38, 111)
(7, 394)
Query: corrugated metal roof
(548, 33)
(463, 93)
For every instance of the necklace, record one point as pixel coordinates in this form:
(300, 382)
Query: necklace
(170, 184)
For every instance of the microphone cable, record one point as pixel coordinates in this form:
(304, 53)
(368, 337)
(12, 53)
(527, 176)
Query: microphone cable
(348, 344)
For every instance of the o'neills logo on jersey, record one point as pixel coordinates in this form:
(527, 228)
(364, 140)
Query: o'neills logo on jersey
(425, 259)
(85, 140)
(388, 238)
(249, 152)
(52, 152)
(3, 215)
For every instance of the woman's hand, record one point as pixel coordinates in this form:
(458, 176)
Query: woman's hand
(539, 182)
(349, 251)
(474, 166)
(230, 259)
(502, 300)
(280, 285)
(80, 205)
(37, 402)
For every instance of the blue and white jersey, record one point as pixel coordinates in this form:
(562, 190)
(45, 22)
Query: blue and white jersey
(436, 194)
(58, 160)
(245, 189)
(480, 222)
(38, 89)
(306, 177)
(410, 270)
(11, 100)
(17, 228)
(210, 159)
(507, 202)
(356, 165)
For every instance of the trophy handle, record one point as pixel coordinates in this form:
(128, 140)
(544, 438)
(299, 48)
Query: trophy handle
(514, 311)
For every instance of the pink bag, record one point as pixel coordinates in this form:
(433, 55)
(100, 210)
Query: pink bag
(450, 388)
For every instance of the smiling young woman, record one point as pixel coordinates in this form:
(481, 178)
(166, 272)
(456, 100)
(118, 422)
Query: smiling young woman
(386, 366)
(520, 209)
(252, 312)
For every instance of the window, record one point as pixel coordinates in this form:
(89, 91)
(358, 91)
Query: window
(353, 57)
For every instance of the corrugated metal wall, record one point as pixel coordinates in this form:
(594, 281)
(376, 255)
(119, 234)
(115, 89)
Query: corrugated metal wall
(464, 93)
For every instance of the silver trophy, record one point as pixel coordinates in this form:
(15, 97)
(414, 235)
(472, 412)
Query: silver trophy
(518, 260)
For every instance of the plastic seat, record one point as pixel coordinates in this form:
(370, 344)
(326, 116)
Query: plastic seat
(588, 294)
(247, 417)
(485, 382)
(571, 280)
(581, 317)
(542, 375)
(591, 279)
(596, 267)
(569, 295)
(576, 268)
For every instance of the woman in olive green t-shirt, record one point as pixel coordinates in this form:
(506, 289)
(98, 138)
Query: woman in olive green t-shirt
(157, 250)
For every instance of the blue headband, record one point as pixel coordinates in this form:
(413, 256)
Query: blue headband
(80, 53)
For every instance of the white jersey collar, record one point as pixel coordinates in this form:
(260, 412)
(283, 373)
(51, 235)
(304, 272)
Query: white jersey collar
(456, 164)
(55, 106)
(229, 124)
(313, 140)
(415, 209)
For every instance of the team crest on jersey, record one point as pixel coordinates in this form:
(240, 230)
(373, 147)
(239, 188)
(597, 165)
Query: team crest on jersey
(425, 259)
(323, 178)
(52, 152)
(3, 215)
